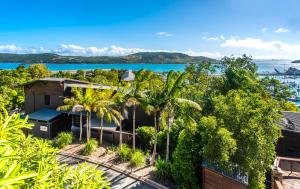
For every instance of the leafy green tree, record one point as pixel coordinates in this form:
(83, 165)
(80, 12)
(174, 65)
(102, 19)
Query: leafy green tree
(169, 99)
(251, 118)
(38, 71)
(186, 159)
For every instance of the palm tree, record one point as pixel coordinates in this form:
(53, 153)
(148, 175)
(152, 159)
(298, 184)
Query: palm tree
(120, 100)
(169, 99)
(133, 96)
(105, 108)
(150, 103)
(84, 101)
(73, 104)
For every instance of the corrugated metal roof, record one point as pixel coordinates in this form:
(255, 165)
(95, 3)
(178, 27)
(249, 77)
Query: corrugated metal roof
(54, 79)
(94, 86)
(44, 114)
(290, 121)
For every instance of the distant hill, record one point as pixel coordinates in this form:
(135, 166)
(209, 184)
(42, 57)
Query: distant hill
(142, 57)
(296, 61)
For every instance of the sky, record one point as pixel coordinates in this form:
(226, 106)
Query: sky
(264, 29)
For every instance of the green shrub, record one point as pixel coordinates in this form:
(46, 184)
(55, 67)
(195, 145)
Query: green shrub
(138, 158)
(146, 136)
(89, 147)
(63, 139)
(162, 169)
(124, 153)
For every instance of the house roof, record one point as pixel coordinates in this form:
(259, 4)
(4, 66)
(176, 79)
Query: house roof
(44, 114)
(290, 121)
(54, 79)
(71, 83)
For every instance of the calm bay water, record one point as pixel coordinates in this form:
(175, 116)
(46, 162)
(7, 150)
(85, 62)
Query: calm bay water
(57, 67)
(263, 66)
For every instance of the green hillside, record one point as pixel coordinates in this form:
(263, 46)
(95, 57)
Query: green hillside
(144, 57)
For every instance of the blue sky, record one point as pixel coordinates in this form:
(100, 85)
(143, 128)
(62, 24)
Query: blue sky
(265, 29)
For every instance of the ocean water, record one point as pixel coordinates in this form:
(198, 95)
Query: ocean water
(63, 67)
(265, 66)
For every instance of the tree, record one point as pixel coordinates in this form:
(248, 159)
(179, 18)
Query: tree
(169, 99)
(134, 94)
(84, 101)
(75, 105)
(38, 71)
(105, 109)
(119, 98)
(251, 118)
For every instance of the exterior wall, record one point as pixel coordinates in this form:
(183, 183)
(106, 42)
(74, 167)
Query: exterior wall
(35, 95)
(59, 124)
(214, 180)
(289, 145)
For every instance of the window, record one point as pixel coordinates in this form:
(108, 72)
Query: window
(47, 100)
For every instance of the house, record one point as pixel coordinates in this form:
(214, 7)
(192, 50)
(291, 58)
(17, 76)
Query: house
(44, 96)
(289, 144)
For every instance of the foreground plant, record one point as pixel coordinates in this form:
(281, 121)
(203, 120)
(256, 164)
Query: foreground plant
(28, 162)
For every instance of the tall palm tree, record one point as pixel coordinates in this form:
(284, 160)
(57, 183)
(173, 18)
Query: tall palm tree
(170, 98)
(133, 96)
(120, 100)
(84, 100)
(150, 103)
(74, 105)
(105, 109)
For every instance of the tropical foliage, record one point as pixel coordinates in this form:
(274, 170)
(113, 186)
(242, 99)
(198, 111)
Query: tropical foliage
(27, 162)
(227, 120)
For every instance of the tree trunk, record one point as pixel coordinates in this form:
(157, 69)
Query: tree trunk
(80, 127)
(121, 135)
(87, 126)
(90, 125)
(155, 140)
(170, 121)
(101, 130)
(133, 127)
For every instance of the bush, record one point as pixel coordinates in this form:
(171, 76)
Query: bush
(124, 153)
(63, 139)
(89, 147)
(138, 158)
(162, 169)
(146, 136)
(185, 164)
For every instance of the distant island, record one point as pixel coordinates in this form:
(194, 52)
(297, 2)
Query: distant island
(142, 57)
(296, 61)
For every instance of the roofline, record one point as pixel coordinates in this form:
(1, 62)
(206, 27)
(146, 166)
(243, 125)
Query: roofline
(48, 79)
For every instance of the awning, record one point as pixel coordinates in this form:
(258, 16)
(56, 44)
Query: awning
(44, 115)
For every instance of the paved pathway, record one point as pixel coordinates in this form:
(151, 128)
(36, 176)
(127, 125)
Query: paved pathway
(118, 180)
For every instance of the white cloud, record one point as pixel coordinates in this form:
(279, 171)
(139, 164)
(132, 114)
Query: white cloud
(71, 49)
(213, 38)
(282, 30)
(10, 48)
(273, 49)
(163, 34)
(204, 53)
(264, 29)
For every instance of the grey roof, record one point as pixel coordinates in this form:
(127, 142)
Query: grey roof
(94, 86)
(290, 121)
(44, 114)
(54, 79)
